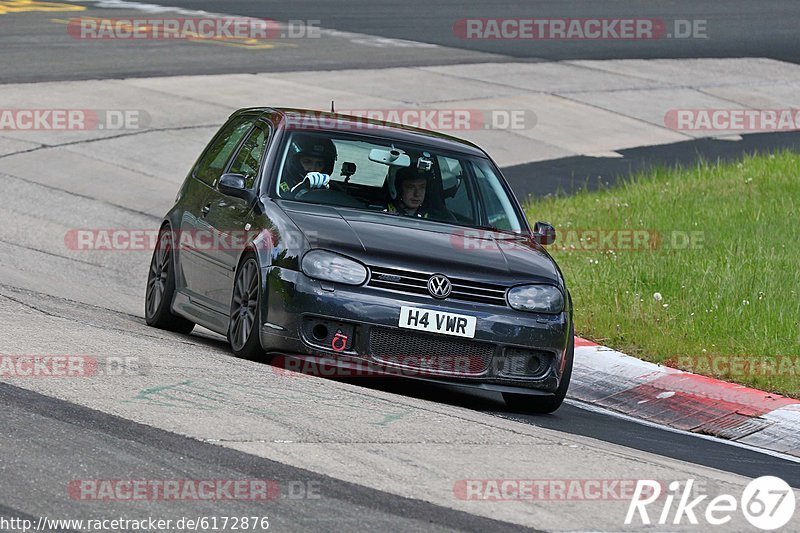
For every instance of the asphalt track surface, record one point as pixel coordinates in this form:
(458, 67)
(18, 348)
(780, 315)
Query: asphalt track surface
(37, 46)
(735, 28)
(49, 441)
(54, 442)
(90, 441)
(575, 418)
(34, 50)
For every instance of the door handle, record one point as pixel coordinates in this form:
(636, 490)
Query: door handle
(206, 209)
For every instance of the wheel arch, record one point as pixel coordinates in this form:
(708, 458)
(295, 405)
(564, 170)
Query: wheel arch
(261, 247)
(180, 282)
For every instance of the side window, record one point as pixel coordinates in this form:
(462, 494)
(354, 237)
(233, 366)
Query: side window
(456, 196)
(248, 160)
(498, 210)
(216, 157)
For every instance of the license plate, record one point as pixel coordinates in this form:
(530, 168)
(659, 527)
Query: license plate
(437, 321)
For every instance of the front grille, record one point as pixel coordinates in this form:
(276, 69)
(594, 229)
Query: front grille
(430, 353)
(417, 283)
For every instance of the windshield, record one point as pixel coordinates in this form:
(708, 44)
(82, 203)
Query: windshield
(397, 179)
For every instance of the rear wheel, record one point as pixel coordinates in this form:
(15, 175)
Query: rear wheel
(243, 331)
(523, 403)
(161, 289)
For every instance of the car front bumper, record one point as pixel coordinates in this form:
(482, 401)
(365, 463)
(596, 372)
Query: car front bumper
(512, 351)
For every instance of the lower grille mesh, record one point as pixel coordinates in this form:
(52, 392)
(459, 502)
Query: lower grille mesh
(429, 352)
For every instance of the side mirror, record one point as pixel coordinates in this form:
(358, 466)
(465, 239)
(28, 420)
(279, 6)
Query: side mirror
(544, 233)
(234, 185)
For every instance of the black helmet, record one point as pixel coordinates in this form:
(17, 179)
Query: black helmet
(313, 146)
(407, 173)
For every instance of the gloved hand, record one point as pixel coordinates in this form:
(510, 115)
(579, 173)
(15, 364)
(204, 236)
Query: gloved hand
(318, 180)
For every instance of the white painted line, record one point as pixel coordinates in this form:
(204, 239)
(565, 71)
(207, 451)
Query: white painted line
(146, 8)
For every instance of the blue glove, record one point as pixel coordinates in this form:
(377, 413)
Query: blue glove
(318, 180)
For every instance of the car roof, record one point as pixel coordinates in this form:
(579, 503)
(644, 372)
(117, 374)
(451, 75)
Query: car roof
(311, 120)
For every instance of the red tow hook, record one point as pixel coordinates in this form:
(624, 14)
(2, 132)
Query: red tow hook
(339, 342)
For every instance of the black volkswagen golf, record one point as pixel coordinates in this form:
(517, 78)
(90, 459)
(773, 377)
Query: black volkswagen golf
(367, 245)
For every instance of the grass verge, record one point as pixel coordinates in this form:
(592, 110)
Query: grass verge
(697, 268)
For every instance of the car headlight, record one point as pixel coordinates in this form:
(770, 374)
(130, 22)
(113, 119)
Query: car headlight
(537, 298)
(329, 266)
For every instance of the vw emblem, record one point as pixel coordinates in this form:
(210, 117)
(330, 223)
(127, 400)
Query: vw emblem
(439, 286)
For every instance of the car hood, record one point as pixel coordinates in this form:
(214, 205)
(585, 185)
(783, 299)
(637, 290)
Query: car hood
(406, 243)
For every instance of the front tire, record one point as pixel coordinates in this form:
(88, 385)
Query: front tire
(161, 289)
(523, 403)
(245, 314)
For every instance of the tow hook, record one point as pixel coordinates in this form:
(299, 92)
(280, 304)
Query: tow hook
(339, 341)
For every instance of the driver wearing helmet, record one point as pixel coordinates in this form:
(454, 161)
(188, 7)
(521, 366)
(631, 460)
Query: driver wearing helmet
(310, 160)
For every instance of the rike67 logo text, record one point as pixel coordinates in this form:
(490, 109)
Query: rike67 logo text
(767, 503)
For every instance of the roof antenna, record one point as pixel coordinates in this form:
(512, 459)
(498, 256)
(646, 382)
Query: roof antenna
(332, 109)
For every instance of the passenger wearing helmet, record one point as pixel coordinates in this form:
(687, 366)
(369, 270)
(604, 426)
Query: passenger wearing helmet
(310, 159)
(408, 196)
(413, 192)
